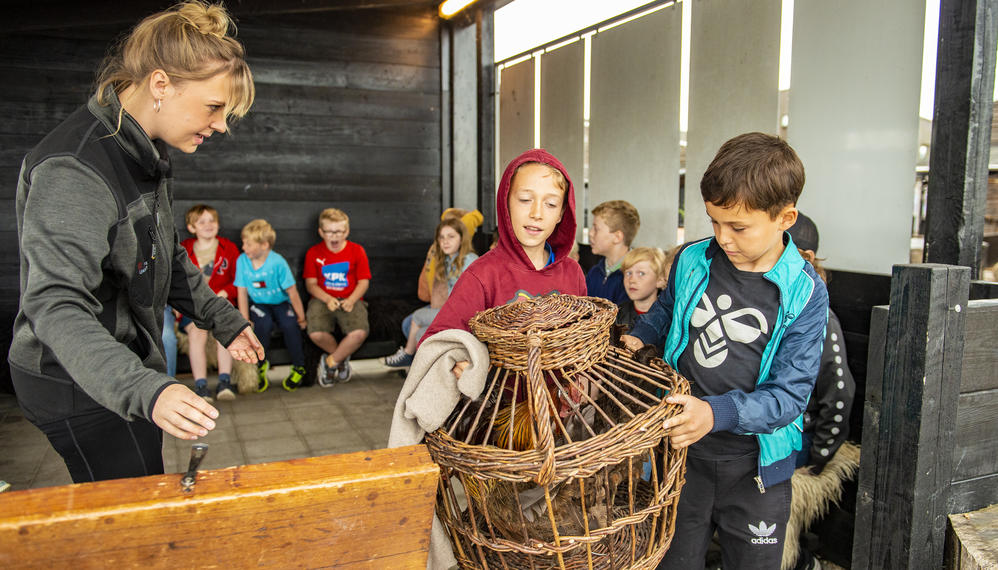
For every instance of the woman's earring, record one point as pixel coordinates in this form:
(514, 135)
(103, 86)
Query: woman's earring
(156, 106)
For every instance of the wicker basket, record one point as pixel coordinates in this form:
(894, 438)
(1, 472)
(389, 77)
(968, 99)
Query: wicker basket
(562, 462)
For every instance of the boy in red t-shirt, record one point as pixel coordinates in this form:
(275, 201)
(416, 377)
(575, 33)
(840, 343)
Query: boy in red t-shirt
(336, 276)
(216, 257)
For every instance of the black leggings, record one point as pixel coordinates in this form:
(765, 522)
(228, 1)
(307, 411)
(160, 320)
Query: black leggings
(101, 445)
(95, 442)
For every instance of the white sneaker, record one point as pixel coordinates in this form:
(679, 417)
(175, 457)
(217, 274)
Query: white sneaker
(325, 376)
(343, 371)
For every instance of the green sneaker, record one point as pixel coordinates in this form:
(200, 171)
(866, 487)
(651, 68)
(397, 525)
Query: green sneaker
(294, 379)
(263, 383)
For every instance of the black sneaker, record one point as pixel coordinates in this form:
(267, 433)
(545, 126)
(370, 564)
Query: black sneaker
(225, 391)
(294, 379)
(201, 389)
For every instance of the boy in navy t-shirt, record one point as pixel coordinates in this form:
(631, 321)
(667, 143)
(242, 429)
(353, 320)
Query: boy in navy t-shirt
(743, 318)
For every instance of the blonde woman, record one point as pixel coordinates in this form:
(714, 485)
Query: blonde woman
(99, 253)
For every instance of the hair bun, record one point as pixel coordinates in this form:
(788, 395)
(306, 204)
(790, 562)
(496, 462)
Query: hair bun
(208, 19)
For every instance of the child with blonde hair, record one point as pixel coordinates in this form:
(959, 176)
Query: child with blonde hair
(337, 275)
(267, 295)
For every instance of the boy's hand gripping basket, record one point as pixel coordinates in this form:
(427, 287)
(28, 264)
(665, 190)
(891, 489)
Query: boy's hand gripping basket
(562, 462)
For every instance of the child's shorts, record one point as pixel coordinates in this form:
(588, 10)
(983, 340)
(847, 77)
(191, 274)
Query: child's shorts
(321, 319)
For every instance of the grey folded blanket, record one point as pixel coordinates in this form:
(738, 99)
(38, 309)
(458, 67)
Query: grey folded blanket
(427, 399)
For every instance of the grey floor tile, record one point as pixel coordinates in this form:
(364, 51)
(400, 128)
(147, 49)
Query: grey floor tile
(347, 439)
(262, 450)
(265, 430)
(224, 455)
(260, 417)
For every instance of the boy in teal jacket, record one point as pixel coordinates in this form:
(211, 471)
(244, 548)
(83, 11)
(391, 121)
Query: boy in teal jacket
(743, 318)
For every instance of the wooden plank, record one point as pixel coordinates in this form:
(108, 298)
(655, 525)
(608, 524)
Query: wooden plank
(976, 435)
(366, 509)
(961, 124)
(44, 16)
(923, 355)
(980, 356)
(283, 40)
(869, 469)
(299, 158)
(973, 494)
(972, 541)
(360, 131)
(333, 188)
(345, 74)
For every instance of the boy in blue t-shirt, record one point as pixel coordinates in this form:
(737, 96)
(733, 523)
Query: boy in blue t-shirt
(267, 294)
(743, 318)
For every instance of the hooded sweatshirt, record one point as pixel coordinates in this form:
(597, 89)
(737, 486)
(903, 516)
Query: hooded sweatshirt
(505, 273)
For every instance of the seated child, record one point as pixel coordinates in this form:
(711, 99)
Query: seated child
(266, 291)
(646, 271)
(615, 223)
(216, 256)
(471, 219)
(535, 211)
(450, 255)
(338, 299)
(743, 318)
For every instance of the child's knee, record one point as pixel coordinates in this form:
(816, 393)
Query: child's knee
(359, 334)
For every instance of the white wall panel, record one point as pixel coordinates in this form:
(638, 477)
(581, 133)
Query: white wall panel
(516, 112)
(854, 98)
(562, 94)
(634, 121)
(734, 83)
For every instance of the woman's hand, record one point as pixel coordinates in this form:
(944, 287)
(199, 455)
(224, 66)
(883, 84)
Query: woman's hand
(182, 413)
(246, 347)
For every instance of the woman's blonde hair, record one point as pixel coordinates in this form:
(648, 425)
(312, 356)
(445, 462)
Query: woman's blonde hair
(190, 42)
(446, 270)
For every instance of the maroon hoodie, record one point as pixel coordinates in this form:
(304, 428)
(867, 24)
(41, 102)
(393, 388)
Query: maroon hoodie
(506, 274)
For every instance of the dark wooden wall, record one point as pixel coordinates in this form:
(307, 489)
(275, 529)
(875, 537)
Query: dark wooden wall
(347, 114)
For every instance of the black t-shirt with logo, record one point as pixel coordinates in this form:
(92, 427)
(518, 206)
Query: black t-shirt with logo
(730, 327)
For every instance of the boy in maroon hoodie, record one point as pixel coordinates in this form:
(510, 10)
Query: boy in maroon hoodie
(535, 211)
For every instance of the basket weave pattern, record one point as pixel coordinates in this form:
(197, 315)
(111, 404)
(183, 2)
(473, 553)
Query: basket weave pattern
(562, 462)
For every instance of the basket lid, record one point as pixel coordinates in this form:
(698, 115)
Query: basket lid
(573, 331)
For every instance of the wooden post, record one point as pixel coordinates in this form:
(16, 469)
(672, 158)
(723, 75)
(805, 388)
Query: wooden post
(907, 461)
(485, 24)
(961, 132)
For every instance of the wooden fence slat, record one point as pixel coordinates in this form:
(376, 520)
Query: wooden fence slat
(908, 498)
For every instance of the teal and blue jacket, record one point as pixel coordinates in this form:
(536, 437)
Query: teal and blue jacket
(790, 362)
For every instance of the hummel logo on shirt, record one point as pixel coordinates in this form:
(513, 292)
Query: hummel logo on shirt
(762, 533)
(744, 326)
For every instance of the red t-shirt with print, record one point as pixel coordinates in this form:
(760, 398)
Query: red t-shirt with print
(337, 273)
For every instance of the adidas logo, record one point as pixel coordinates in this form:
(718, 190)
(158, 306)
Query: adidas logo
(762, 533)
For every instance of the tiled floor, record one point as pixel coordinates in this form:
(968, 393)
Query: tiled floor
(254, 428)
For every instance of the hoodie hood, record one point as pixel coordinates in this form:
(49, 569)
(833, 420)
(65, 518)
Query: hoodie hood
(563, 237)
